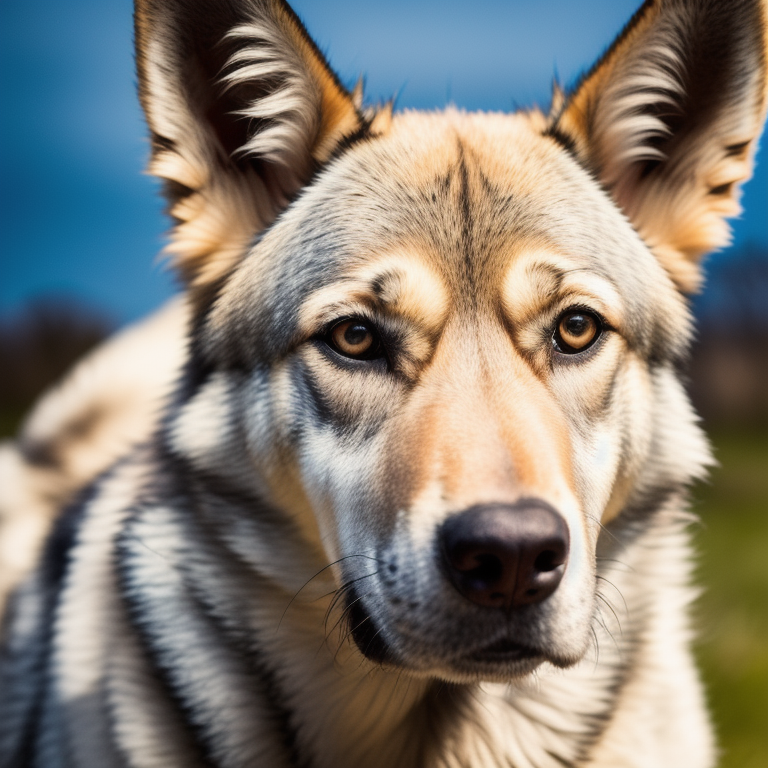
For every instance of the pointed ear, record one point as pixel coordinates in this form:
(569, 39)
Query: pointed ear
(242, 109)
(669, 119)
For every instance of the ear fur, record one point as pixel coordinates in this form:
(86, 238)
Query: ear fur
(242, 109)
(669, 120)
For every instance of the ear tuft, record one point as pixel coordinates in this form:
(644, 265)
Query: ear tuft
(304, 114)
(668, 120)
(358, 93)
(380, 118)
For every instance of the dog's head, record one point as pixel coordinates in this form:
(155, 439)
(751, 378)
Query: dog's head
(445, 344)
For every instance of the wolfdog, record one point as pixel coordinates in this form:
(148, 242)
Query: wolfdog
(417, 496)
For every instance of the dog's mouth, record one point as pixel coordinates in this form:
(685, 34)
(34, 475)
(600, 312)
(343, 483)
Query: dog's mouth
(503, 651)
(500, 654)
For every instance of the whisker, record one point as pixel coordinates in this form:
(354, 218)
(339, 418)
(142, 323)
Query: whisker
(312, 578)
(597, 648)
(602, 527)
(618, 592)
(344, 614)
(351, 628)
(146, 546)
(341, 592)
(603, 624)
(610, 608)
(375, 635)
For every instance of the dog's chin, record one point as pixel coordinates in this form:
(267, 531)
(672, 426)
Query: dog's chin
(500, 661)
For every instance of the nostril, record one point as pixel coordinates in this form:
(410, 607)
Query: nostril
(487, 569)
(547, 561)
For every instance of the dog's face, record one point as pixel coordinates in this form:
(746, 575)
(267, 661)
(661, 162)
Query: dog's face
(450, 341)
(450, 359)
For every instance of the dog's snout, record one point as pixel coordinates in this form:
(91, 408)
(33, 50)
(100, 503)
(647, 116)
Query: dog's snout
(506, 555)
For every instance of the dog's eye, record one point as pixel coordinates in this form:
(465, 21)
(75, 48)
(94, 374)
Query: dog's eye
(356, 339)
(576, 331)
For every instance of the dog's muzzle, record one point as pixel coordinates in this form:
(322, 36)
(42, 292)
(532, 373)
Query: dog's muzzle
(501, 559)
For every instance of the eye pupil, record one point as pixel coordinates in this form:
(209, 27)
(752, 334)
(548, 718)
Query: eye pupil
(356, 335)
(577, 325)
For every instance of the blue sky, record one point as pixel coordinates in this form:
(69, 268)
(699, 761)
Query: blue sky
(78, 218)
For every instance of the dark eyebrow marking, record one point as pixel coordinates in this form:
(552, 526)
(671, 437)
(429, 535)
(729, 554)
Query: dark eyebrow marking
(384, 285)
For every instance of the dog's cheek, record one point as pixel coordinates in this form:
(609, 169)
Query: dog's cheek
(330, 424)
(609, 409)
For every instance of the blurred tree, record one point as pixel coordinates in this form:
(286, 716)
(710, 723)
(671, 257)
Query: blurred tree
(37, 346)
(729, 364)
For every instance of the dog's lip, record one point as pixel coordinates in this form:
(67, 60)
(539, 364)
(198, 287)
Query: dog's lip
(503, 650)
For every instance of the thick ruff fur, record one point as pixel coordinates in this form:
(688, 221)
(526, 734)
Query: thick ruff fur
(396, 325)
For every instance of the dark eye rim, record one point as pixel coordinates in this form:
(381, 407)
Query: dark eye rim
(375, 352)
(563, 348)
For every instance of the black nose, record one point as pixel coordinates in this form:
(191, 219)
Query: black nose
(506, 555)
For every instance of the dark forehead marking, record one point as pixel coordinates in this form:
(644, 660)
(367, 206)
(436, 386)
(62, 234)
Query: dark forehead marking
(485, 209)
(465, 211)
(444, 183)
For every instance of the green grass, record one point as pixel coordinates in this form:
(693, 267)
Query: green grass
(733, 612)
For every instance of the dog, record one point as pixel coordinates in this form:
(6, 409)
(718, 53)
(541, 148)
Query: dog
(418, 493)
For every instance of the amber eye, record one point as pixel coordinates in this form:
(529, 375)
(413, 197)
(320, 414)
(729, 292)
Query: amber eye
(356, 339)
(576, 331)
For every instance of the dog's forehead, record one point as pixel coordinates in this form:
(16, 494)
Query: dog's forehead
(467, 192)
(457, 201)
